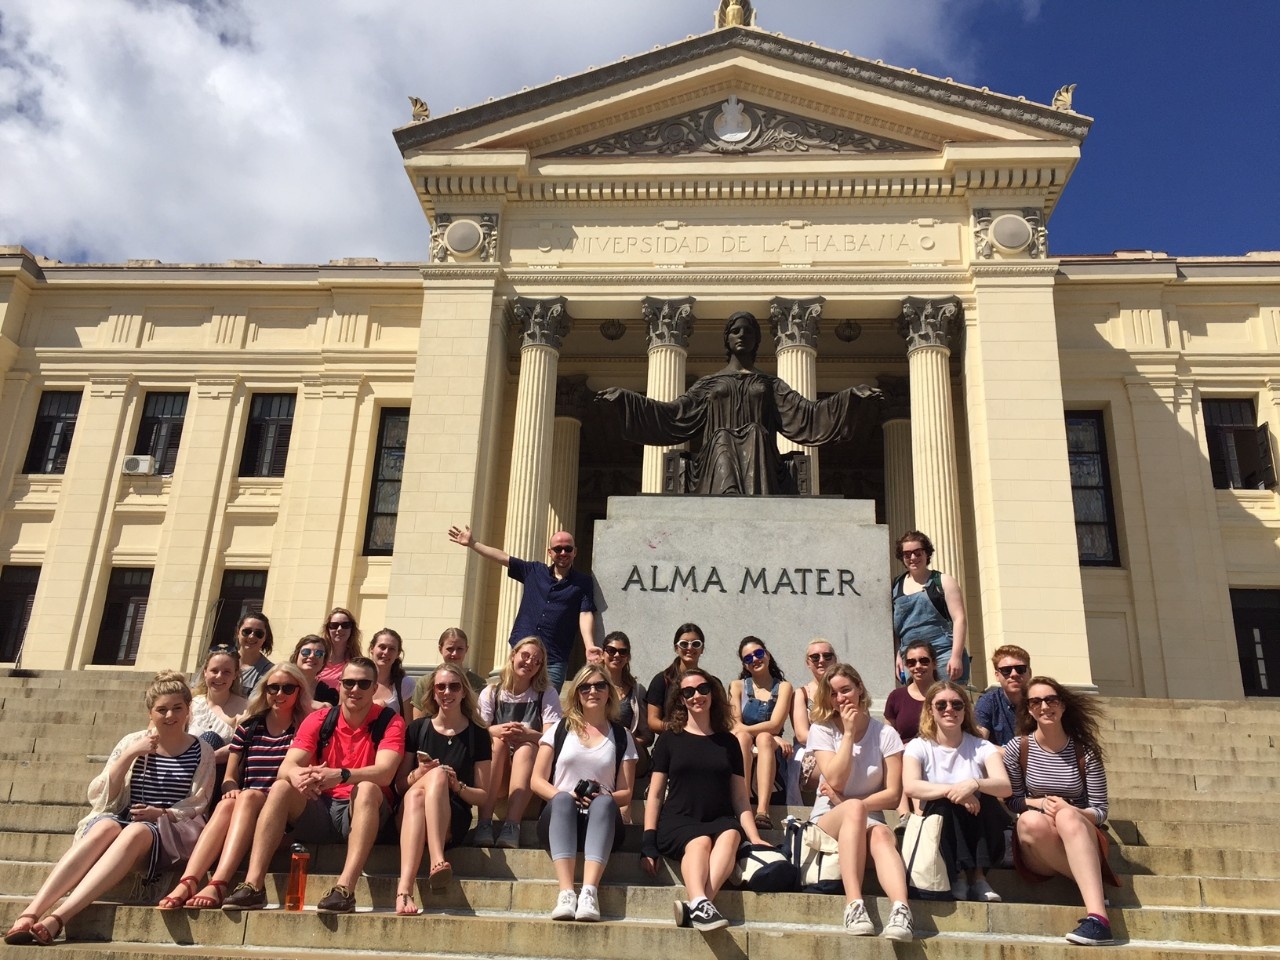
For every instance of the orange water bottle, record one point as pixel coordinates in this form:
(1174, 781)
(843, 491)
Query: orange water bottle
(295, 895)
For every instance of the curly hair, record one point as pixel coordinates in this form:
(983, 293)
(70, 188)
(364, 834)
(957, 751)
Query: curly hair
(1081, 715)
(929, 726)
(775, 671)
(260, 706)
(918, 537)
(677, 712)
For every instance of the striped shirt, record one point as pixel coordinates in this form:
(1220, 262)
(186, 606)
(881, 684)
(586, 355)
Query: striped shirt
(163, 781)
(263, 753)
(1056, 775)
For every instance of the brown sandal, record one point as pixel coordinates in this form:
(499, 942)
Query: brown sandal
(42, 934)
(764, 821)
(177, 903)
(19, 935)
(209, 903)
(440, 876)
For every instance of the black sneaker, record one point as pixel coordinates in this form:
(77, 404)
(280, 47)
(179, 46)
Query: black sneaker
(337, 900)
(681, 911)
(706, 917)
(1092, 932)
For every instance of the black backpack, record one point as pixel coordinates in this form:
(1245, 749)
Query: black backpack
(933, 588)
(619, 747)
(377, 730)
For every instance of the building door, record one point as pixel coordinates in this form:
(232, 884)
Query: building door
(1257, 619)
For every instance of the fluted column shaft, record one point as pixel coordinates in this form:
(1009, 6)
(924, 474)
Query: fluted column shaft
(795, 336)
(669, 324)
(572, 396)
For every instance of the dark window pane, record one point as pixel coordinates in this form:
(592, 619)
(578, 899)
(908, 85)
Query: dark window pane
(388, 469)
(124, 614)
(52, 432)
(17, 596)
(1091, 489)
(266, 437)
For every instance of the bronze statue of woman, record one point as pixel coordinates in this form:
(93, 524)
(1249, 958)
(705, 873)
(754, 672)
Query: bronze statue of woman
(739, 412)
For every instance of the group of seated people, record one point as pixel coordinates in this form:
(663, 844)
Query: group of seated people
(336, 747)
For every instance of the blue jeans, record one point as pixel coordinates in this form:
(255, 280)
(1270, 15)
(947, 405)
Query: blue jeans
(555, 673)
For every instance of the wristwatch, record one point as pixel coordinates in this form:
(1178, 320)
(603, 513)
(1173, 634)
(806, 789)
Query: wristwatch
(345, 775)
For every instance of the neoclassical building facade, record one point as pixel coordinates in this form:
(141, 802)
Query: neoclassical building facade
(1086, 438)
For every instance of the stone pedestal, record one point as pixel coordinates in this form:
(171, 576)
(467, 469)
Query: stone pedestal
(785, 569)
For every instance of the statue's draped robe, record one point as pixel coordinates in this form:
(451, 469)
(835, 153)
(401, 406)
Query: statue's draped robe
(738, 416)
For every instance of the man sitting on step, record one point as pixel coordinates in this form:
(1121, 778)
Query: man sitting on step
(333, 786)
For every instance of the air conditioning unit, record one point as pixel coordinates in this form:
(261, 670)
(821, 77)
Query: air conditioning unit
(139, 466)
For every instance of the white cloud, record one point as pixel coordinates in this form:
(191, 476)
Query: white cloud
(214, 129)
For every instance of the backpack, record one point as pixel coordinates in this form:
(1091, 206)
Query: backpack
(933, 588)
(377, 729)
(619, 733)
(815, 855)
(764, 869)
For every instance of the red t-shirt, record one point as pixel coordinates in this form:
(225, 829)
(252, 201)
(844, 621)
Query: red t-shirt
(349, 748)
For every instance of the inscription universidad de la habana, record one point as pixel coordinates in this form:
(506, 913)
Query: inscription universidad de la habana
(887, 242)
(797, 581)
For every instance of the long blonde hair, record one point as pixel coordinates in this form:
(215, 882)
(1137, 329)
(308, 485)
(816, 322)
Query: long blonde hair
(470, 706)
(259, 706)
(824, 701)
(507, 678)
(573, 716)
(929, 727)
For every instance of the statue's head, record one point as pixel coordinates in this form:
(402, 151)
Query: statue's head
(749, 327)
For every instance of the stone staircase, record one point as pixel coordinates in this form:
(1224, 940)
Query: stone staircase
(1194, 820)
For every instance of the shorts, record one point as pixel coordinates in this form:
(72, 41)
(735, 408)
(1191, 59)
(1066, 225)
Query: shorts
(326, 820)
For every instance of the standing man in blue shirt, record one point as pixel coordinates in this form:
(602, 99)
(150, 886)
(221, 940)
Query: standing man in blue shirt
(997, 709)
(558, 602)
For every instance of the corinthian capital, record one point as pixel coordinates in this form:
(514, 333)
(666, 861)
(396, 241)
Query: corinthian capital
(930, 323)
(795, 322)
(668, 323)
(543, 323)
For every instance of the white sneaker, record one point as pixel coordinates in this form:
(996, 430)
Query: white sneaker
(981, 890)
(898, 926)
(588, 906)
(856, 920)
(566, 907)
(960, 888)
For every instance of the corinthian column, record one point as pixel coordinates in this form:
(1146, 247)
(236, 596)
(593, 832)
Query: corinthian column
(795, 338)
(572, 397)
(668, 326)
(930, 328)
(899, 491)
(542, 325)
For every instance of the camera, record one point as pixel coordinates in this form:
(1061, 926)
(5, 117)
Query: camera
(585, 789)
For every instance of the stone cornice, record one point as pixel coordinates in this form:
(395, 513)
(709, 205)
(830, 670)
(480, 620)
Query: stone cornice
(945, 93)
(1014, 268)
(956, 279)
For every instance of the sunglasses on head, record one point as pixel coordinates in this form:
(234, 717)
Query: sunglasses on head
(821, 657)
(1019, 668)
(448, 686)
(228, 648)
(701, 690)
(253, 632)
(352, 683)
(596, 686)
(1052, 700)
(942, 706)
(311, 652)
(918, 661)
(689, 644)
(617, 652)
(338, 625)
(559, 551)
(275, 689)
(755, 657)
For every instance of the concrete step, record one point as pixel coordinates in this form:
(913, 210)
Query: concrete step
(61, 709)
(1119, 751)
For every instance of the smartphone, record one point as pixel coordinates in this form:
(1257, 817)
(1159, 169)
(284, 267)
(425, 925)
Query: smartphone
(424, 757)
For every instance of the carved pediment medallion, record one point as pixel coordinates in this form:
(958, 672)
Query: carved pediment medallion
(736, 127)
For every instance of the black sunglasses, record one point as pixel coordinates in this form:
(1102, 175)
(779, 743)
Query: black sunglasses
(617, 652)
(596, 686)
(945, 705)
(351, 683)
(1050, 701)
(701, 690)
(918, 661)
(821, 657)
(1019, 668)
(339, 625)
(560, 550)
(275, 689)
(253, 632)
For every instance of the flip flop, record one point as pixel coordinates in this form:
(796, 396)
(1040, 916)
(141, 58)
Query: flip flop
(403, 902)
(440, 876)
(20, 936)
(209, 903)
(42, 934)
(177, 903)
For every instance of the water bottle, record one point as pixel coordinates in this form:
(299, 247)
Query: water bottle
(296, 894)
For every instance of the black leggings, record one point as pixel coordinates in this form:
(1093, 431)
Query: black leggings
(970, 842)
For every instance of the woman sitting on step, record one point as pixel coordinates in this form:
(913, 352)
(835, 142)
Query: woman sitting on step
(518, 706)
(1060, 796)
(585, 772)
(444, 773)
(310, 655)
(861, 763)
(218, 699)
(706, 812)
(280, 703)
(147, 805)
(760, 700)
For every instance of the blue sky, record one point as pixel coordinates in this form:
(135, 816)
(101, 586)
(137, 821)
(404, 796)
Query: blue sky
(205, 130)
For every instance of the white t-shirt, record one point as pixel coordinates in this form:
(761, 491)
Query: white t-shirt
(550, 707)
(947, 765)
(577, 762)
(866, 772)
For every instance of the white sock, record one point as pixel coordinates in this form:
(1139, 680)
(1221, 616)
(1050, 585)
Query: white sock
(694, 903)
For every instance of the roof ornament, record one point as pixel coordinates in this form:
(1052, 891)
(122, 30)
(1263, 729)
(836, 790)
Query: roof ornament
(420, 109)
(735, 13)
(1062, 99)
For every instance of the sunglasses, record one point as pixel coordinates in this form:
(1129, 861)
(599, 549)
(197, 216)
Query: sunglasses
(918, 661)
(597, 686)
(339, 625)
(689, 644)
(309, 653)
(351, 683)
(701, 690)
(559, 551)
(275, 689)
(1019, 668)
(942, 706)
(617, 652)
(253, 632)
(1049, 701)
(911, 554)
(449, 686)
(754, 657)
(228, 648)
(820, 657)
